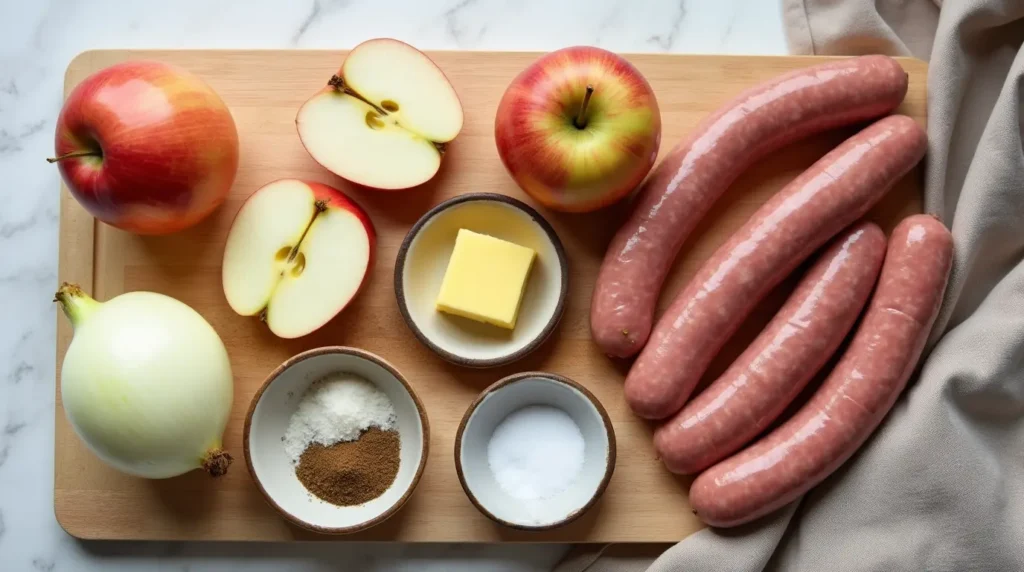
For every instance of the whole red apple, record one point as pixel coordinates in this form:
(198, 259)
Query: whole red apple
(146, 147)
(579, 129)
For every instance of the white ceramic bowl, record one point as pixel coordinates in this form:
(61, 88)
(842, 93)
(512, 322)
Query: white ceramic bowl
(273, 471)
(423, 259)
(492, 407)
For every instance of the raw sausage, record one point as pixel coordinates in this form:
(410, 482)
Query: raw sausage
(697, 171)
(851, 403)
(831, 194)
(801, 337)
(828, 196)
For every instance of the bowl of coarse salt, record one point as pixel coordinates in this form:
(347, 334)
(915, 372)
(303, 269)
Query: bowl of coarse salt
(336, 440)
(535, 451)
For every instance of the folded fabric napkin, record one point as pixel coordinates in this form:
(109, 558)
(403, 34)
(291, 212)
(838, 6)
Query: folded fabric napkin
(940, 486)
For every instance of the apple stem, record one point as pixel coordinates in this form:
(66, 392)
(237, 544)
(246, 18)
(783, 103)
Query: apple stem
(73, 154)
(581, 118)
(338, 83)
(441, 147)
(318, 207)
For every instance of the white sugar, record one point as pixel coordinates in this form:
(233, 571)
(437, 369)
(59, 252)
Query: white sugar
(536, 453)
(335, 409)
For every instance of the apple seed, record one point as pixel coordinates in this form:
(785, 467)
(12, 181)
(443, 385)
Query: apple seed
(300, 264)
(373, 120)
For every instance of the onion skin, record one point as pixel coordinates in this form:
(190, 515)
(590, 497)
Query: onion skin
(146, 383)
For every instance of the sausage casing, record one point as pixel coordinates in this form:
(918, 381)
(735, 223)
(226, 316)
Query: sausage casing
(830, 195)
(683, 187)
(765, 379)
(854, 398)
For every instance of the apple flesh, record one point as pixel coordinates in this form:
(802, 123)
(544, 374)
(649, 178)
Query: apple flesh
(384, 120)
(146, 147)
(578, 129)
(297, 253)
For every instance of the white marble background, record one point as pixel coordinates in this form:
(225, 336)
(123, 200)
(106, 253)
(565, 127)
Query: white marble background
(37, 40)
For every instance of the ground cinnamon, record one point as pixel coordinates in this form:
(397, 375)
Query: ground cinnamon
(351, 472)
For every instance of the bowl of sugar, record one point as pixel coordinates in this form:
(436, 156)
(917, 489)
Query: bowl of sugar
(535, 451)
(336, 440)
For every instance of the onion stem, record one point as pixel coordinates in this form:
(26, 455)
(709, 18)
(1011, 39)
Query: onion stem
(77, 305)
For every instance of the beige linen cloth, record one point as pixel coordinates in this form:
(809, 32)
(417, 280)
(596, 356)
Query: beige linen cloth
(940, 486)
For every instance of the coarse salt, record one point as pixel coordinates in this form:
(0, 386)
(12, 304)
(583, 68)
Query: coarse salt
(337, 408)
(536, 453)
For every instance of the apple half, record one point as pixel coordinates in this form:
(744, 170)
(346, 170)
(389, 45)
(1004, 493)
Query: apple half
(385, 119)
(296, 255)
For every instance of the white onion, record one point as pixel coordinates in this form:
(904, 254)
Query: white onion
(146, 383)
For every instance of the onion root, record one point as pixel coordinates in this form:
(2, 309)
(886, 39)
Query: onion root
(216, 462)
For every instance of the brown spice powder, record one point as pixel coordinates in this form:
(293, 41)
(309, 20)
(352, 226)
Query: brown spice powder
(351, 472)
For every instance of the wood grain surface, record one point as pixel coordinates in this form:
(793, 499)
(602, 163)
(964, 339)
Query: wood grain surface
(264, 89)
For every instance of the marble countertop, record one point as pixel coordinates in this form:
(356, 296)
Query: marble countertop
(37, 40)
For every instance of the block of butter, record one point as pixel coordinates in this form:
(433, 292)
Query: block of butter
(485, 279)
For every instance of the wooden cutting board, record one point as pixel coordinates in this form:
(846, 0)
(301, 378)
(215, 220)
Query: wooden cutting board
(264, 89)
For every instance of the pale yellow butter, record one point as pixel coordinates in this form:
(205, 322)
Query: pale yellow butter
(485, 279)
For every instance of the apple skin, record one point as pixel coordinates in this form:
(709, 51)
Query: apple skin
(561, 166)
(339, 200)
(165, 147)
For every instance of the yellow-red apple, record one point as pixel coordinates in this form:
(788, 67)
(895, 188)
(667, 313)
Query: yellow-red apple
(146, 147)
(578, 129)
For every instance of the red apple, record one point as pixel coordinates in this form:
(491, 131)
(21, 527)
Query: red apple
(146, 147)
(296, 255)
(579, 129)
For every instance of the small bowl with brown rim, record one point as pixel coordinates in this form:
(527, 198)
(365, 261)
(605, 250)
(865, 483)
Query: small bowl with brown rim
(273, 471)
(507, 396)
(423, 260)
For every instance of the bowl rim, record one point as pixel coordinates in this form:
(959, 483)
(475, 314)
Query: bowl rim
(424, 439)
(610, 458)
(549, 327)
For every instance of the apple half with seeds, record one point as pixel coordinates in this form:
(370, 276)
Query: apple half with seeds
(385, 119)
(297, 253)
